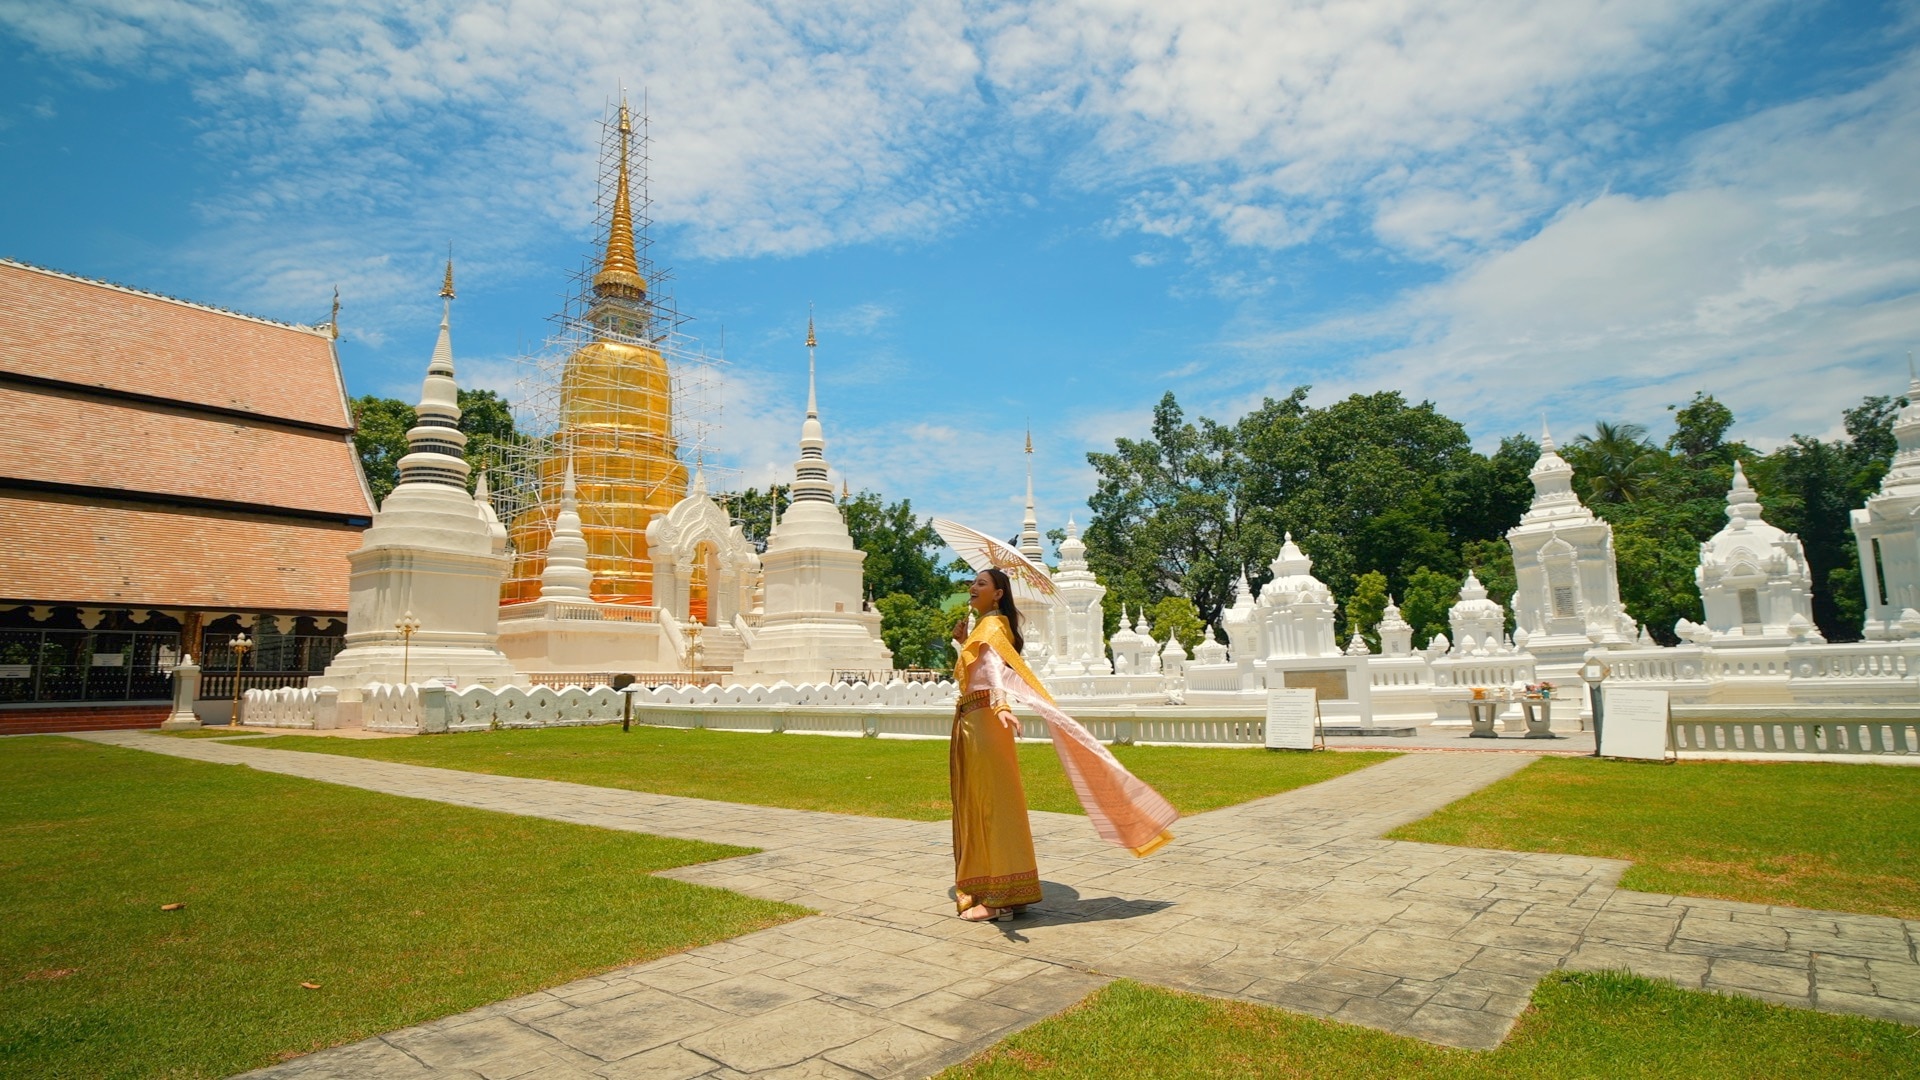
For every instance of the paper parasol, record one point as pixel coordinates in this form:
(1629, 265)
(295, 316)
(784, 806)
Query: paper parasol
(982, 551)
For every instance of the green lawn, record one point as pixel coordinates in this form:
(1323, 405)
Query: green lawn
(899, 778)
(1581, 1025)
(398, 910)
(1813, 835)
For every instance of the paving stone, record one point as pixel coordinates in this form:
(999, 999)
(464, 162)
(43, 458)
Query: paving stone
(747, 995)
(471, 1045)
(662, 1063)
(1688, 971)
(877, 979)
(895, 1050)
(1895, 980)
(1767, 978)
(1471, 1029)
(624, 1026)
(1408, 955)
(356, 1061)
(951, 1016)
(1901, 1012)
(785, 1036)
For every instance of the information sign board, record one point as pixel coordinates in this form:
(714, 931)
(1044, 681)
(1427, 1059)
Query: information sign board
(1634, 724)
(1290, 716)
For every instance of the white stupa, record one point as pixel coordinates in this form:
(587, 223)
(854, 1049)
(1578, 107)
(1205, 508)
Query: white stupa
(813, 624)
(1753, 578)
(1479, 622)
(1887, 531)
(1297, 608)
(1080, 626)
(434, 553)
(1568, 598)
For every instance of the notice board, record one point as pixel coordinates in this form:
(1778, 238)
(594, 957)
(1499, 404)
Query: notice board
(1290, 719)
(1633, 724)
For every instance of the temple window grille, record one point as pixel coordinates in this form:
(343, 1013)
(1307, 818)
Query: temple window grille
(1749, 607)
(1563, 607)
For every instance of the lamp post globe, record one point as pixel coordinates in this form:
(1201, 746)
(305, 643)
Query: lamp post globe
(241, 644)
(408, 626)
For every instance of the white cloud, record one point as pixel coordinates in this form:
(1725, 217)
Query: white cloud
(1781, 274)
(782, 128)
(1263, 121)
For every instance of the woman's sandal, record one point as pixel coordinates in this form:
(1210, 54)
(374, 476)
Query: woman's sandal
(987, 914)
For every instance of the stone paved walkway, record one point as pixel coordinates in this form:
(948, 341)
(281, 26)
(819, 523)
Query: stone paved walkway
(1291, 900)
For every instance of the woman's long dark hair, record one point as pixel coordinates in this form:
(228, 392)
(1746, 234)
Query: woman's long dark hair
(999, 579)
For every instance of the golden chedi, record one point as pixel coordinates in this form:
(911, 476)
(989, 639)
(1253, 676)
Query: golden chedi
(616, 426)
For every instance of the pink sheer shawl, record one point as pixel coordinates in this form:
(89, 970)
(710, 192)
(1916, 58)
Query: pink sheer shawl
(1123, 809)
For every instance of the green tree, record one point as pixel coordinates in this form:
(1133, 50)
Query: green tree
(1165, 518)
(487, 421)
(1492, 562)
(1614, 464)
(1700, 426)
(1176, 615)
(917, 633)
(1430, 594)
(752, 510)
(903, 551)
(1366, 606)
(380, 437)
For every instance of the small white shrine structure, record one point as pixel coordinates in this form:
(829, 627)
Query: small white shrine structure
(434, 553)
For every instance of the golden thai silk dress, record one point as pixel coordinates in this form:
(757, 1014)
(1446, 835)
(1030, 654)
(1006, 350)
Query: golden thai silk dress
(993, 856)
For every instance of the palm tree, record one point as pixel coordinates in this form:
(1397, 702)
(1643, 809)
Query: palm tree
(1616, 461)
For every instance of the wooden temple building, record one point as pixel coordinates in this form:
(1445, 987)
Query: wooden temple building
(171, 475)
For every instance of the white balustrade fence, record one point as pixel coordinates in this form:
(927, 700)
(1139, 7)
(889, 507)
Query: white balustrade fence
(1762, 737)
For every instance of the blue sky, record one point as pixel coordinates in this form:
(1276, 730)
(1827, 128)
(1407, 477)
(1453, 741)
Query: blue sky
(1052, 211)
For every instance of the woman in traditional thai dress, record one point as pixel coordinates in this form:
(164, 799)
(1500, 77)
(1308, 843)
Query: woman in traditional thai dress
(995, 873)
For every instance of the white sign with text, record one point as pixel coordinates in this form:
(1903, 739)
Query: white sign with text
(1290, 717)
(1633, 724)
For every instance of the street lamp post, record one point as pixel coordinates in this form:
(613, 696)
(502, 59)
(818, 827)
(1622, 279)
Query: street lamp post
(241, 645)
(408, 626)
(624, 684)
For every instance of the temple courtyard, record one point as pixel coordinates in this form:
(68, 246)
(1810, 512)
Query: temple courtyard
(493, 922)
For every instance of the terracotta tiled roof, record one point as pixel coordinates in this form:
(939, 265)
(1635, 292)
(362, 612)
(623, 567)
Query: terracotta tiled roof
(53, 326)
(74, 438)
(72, 550)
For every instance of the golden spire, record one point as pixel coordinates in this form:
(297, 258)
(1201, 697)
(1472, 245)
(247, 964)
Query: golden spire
(810, 342)
(619, 274)
(446, 287)
(333, 321)
(1029, 443)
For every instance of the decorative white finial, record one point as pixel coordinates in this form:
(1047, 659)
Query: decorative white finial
(567, 576)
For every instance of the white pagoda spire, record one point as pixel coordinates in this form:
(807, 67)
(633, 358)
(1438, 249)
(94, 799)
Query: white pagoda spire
(1030, 525)
(566, 576)
(436, 447)
(810, 482)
